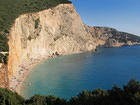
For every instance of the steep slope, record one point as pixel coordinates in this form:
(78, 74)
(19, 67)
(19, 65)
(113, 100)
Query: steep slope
(109, 37)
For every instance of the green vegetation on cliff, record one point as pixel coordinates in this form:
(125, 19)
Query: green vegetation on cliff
(11, 9)
(128, 95)
(3, 43)
(4, 58)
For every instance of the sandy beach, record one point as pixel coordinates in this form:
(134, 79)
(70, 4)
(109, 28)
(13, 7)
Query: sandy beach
(17, 81)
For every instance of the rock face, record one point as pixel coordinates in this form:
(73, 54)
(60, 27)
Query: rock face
(55, 31)
(3, 76)
(110, 37)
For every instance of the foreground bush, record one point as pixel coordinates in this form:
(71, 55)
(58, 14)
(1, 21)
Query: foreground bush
(128, 95)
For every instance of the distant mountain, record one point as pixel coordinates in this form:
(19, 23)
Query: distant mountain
(110, 37)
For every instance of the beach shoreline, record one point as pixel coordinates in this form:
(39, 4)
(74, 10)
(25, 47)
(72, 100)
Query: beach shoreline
(21, 85)
(16, 82)
(18, 79)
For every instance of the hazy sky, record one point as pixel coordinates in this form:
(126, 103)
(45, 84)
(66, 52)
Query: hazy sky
(123, 15)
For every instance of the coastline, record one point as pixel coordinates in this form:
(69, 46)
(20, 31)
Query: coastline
(17, 84)
(21, 85)
(17, 81)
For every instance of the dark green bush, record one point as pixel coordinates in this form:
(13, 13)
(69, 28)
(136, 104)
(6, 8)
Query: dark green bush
(29, 38)
(3, 43)
(1, 57)
(4, 58)
(37, 100)
(37, 21)
(9, 98)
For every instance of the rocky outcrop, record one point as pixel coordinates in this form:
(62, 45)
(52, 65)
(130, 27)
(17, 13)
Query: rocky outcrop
(55, 31)
(109, 37)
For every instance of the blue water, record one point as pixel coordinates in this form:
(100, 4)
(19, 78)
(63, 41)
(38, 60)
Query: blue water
(66, 76)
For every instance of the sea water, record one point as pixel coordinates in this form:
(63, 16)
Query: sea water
(66, 76)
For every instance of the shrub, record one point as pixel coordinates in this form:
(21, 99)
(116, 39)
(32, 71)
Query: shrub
(37, 21)
(29, 38)
(3, 43)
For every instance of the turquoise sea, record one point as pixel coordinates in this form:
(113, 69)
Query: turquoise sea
(66, 76)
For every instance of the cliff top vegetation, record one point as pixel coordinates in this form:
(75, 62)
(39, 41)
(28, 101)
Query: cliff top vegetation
(11, 9)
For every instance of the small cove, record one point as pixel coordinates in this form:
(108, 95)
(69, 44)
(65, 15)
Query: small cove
(66, 76)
